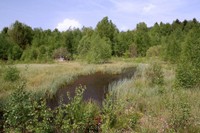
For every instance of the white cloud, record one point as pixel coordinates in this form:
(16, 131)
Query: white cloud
(68, 23)
(148, 7)
(127, 6)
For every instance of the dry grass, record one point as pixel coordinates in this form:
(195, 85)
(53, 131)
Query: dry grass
(160, 105)
(49, 77)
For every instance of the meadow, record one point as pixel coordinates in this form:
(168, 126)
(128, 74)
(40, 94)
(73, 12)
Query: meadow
(149, 102)
(40, 78)
(156, 106)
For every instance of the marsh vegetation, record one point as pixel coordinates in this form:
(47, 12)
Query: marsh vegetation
(162, 96)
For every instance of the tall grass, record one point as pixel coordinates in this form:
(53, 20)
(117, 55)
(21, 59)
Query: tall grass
(132, 105)
(164, 108)
(47, 78)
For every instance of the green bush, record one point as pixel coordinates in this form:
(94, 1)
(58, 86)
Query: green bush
(132, 50)
(41, 117)
(109, 117)
(186, 75)
(94, 49)
(15, 52)
(188, 70)
(180, 115)
(154, 74)
(134, 120)
(154, 51)
(18, 111)
(11, 73)
(76, 116)
(61, 52)
(23, 113)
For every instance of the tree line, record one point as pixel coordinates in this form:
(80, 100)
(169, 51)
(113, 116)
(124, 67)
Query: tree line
(178, 42)
(21, 42)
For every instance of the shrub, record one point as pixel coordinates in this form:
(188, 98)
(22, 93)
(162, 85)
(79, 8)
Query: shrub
(134, 120)
(186, 75)
(17, 111)
(188, 71)
(133, 50)
(180, 115)
(100, 50)
(109, 118)
(41, 117)
(15, 52)
(76, 116)
(155, 75)
(94, 49)
(25, 114)
(11, 73)
(61, 53)
(84, 46)
(154, 51)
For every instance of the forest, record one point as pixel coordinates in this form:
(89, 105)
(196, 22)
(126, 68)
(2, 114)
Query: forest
(171, 80)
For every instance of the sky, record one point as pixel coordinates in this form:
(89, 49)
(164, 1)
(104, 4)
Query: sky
(125, 14)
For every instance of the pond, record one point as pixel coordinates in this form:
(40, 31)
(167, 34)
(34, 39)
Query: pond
(96, 86)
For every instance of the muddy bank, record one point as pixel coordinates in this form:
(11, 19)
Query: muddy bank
(96, 86)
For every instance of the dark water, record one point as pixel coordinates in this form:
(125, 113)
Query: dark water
(96, 87)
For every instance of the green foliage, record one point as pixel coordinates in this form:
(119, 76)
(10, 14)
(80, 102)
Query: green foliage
(61, 52)
(25, 114)
(8, 49)
(180, 119)
(21, 34)
(71, 40)
(172, 49)
(186, 75)
(41, 117)
(18, 111)
(109, 118)
(84, 46)
(11, 73)
(155, 74)
(165, 29)
(118, 114)
(142, 39)
(154, 51)
(132, 51)
(76, 116)
(94, 49)
(134, 120)
(106, 29)
(100, 50)
(14, 52)
(19, 41)
(4, 47)
(188, 71)
(191, 48)
(155, 36)
(124, 39)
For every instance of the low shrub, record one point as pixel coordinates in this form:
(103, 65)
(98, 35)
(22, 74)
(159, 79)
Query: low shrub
(132, 51)
(154, 51)
(18, 111)
(23, 114)
(180, 115)
(187, 76)
(11, 73)
(61, 53)
(154, 74)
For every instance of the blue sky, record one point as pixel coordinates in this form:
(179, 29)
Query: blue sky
(61, 14)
